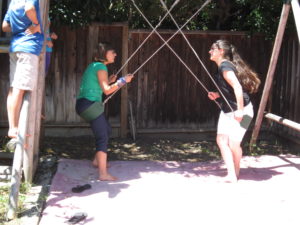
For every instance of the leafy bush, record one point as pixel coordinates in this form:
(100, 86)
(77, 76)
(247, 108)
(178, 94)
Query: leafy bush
(239, 15)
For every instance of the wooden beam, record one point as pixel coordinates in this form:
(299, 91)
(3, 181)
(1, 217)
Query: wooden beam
(296, 11)
(124, 90)
(35, 109)
(271, 71)
(44, 9)
(114, 24)
(283, 121)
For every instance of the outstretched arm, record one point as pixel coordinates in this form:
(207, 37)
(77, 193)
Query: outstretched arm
(105, 84)
(110, 88)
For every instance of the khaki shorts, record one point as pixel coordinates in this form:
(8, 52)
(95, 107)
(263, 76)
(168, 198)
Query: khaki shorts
(23, 70)
(227, 125)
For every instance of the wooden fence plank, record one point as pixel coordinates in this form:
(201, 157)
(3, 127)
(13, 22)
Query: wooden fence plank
(163, 92)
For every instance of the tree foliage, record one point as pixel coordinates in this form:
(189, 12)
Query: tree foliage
(236, 15)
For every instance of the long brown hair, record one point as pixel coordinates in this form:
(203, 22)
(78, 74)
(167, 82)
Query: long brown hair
(246, 76)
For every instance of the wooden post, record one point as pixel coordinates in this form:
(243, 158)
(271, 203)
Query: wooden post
(124, 90)
(35, 108)
(296, 11)
(18, 158)
(270, 74)
(44, 9)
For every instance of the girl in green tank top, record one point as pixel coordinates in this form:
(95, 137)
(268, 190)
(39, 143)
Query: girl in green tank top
(95, 81)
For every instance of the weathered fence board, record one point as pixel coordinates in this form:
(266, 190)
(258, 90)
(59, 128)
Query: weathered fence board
(180, 100)
(163, 93)
(285, 101)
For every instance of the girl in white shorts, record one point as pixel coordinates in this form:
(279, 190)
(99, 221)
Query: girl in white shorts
(235, 81)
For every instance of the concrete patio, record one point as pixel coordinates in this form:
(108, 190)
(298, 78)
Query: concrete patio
(177, 193)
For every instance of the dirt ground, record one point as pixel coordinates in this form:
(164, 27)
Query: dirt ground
(156, 147)
(167, 147)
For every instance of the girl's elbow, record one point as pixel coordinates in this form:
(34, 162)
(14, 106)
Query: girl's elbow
(6, 27)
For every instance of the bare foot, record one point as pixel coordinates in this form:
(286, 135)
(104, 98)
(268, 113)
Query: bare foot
(230, 179)
(13, 133)
(107, 177)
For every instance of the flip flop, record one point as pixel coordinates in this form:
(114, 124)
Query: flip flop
(81, 188)
(77, 217)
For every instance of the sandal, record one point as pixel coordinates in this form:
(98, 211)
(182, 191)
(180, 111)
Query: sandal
(77, 217)
(81, 188)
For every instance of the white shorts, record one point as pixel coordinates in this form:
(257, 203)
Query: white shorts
(23, 70)
(227, 125)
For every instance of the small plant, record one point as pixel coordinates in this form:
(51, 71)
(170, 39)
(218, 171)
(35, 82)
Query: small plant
(4, 197)
(3, 142)
(4, 193)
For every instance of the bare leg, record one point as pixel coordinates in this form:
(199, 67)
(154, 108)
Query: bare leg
(14, 102)
(101, 158)
(223, 143)
(237, 155)
(95, 163)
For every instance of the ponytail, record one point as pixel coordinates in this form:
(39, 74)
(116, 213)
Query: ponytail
(246, 76)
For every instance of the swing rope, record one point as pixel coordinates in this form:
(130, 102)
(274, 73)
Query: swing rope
(172, 50)
(159, 23)
(165, 43)
(196, 54)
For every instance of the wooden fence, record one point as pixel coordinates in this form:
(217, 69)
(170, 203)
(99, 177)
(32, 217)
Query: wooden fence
(166, 95)
(286, 90)
(163, 92)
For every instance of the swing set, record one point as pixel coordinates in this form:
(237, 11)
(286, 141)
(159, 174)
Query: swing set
(32, 103)
(270, 75)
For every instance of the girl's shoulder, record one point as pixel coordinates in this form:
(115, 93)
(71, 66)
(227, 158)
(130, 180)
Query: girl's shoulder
(98, 66)
(227, 66)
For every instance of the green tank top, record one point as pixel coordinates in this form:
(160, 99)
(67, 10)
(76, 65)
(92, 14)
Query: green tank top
(90, 87)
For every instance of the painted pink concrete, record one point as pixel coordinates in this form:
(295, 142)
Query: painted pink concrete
(176, 193)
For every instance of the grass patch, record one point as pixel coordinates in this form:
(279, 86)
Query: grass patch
(4, 195)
